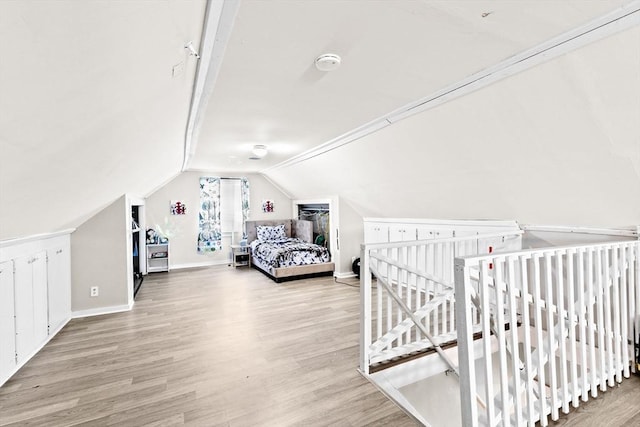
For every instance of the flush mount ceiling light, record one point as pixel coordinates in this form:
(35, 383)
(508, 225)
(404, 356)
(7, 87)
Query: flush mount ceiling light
(327, 62)
(258, 152)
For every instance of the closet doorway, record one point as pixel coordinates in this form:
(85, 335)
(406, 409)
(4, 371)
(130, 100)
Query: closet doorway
(320, 215)
(325, 215)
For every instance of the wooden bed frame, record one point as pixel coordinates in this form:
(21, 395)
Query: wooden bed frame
(294, 228)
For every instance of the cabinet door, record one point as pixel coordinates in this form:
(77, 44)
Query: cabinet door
(59, 289)
(402, 233)
(428, 233)
(31, 303)
(376, 233)
(7, 321)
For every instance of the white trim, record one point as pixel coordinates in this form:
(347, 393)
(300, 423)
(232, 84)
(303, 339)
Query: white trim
(458, 222)
(59, 328)
(198, 264)
(620, 19)
(580, 230)
(339, 275)
(385, 387)
(218, 22)
(19, 365)
(101, 310)
(25, 239)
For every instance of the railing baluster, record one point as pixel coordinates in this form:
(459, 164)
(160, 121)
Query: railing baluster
(615, 295)
(602, 356)
(485, 313)
(512, 290)
(551, 338)
(502, 340)
(380, 312)
(572, 323)
(389, 274)
(624, 312)
(582, 325)
(563, 324)
(527, 348)
(608, 334)
(542, 389)
(634, 294)
(591, 308)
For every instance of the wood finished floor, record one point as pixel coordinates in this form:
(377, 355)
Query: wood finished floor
(206, 347)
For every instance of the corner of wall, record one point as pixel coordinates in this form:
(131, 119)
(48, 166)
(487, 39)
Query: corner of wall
(98, 258)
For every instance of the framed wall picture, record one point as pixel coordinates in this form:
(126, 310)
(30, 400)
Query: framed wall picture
(267, 206)
(178, 208)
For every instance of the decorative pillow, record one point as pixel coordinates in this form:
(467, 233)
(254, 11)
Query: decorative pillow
(266, 232)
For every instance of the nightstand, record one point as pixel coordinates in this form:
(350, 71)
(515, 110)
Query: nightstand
(240, 256)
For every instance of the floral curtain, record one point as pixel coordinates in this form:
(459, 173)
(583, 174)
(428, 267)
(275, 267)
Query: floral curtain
(210, 235)
(244, 191)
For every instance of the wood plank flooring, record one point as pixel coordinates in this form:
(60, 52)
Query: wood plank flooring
(206, 347)
(616, 407)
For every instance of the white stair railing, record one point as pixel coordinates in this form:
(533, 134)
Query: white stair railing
(563, 322)
(409, 307)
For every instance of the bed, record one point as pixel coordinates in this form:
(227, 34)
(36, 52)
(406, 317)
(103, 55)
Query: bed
(283, 250)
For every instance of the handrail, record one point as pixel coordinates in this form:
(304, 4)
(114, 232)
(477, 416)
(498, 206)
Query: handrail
(416, 322)
(412, 270)
(407, 299)
(578, 307)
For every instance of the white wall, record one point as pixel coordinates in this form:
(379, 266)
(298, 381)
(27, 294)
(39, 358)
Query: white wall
(182, 230)
(556, 144)
(89, 107)
(99, 258)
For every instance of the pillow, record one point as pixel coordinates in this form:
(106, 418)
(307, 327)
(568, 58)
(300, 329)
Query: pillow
(266, 232)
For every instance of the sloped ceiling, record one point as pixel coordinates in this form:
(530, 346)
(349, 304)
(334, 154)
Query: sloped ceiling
(393, 52)
(557, 144)
(90, 108)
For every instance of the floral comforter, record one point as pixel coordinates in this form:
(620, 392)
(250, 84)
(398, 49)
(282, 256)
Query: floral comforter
(288, 252)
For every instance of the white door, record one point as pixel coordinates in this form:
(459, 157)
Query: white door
(7, 321)
(31, 303)
(59, 292)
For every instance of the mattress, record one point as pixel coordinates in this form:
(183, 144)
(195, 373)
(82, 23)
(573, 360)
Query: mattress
(288, 252)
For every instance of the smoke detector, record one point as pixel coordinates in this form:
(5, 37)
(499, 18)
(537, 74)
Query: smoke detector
(327, 62)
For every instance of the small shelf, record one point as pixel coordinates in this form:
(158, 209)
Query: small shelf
(157, 257)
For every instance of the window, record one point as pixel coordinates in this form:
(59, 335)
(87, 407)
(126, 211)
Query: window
(230, 206)
(224, 208)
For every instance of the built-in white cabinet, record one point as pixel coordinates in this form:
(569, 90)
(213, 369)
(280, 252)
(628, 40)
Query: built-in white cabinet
(386, 230)
(35, 289)
(59, 291)
(7, 320)
(31, 306)
(375, 232)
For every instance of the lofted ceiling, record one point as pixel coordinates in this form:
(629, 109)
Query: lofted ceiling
(97, 96)
(393, 52)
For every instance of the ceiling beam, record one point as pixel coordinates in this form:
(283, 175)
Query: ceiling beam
(218, 23)
(611, 23)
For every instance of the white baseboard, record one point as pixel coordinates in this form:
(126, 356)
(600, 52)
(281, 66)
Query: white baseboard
(5, 377)
(101, 310)
(198, 264)
(344, 275)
